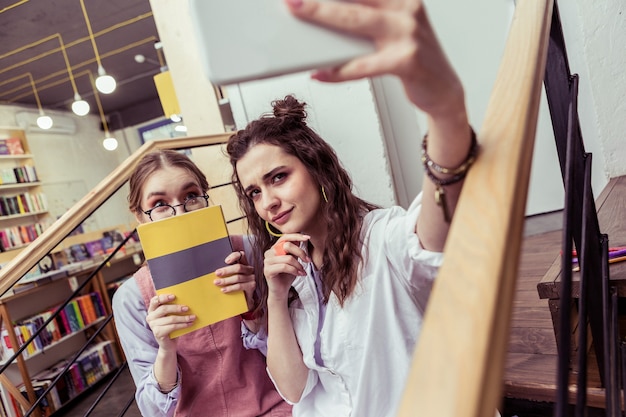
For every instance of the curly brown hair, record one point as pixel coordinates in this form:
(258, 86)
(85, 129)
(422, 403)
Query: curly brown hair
(286, 128)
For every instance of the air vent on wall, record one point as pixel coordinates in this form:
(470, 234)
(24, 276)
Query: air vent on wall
(62, 125)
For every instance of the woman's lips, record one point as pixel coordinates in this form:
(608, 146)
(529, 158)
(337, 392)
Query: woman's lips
(281, 218)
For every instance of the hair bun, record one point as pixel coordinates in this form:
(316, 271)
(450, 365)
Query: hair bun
(290, 109)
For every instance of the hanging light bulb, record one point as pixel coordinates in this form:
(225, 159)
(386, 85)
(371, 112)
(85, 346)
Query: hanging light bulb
(80, 107)
(105, 83)
(109, 143)
(44, 121)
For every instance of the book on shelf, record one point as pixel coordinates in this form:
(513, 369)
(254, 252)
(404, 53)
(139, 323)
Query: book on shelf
(59, 393)
(7, 176)
(4, 148)
(75, 316)
(46, 406)
(183, 253)
(14, 144)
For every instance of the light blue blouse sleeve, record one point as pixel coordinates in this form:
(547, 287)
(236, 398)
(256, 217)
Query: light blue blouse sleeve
(256, 340)
(140, 348)
(253, 340)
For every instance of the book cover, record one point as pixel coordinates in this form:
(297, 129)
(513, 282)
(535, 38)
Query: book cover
(4, 148)
(15, 146)
(98, 305)
(70, 315)
(183, 253)
(87, 308)
(78, 314)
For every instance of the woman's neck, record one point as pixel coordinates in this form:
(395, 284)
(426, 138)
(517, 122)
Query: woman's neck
(316, 246)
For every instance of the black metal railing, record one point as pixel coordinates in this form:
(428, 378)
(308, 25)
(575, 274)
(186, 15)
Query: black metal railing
(597, 303)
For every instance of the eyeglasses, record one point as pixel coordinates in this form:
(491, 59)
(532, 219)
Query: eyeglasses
(164, 211)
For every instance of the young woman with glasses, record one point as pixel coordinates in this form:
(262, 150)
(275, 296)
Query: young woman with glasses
(207, 371)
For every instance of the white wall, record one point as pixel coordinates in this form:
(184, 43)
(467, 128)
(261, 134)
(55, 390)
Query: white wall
(70, 165)
(475, 47)
(597, 31)
(343, 114)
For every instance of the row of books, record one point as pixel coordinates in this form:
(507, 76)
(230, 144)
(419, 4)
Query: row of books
(75, 316)
(93, 364)
(18, 175)
(17, 236)
(23, 203)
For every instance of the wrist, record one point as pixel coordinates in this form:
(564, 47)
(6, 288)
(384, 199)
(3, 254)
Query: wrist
(276, 300)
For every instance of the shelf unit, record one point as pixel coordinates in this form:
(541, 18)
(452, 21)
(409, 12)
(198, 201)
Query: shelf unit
(23, 205)
(44, 293)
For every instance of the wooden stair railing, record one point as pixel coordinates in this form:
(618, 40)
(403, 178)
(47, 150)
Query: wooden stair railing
(458, 363)
(31, 255)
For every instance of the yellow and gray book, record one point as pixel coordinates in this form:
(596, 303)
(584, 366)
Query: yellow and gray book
(183, 253)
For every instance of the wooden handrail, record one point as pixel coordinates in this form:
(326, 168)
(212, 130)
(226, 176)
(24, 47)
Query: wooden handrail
(28, 258)
(458, 363)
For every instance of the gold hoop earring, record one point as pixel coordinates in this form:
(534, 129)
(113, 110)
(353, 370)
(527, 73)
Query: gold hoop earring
(324, 194)
(270, 231)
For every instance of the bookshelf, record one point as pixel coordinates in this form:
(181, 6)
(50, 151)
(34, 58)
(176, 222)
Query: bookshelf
(26, 307)
(23, 205)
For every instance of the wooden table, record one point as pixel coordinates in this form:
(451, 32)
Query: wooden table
(611, 207)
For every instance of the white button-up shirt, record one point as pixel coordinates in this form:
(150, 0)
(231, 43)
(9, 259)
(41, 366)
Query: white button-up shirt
(365, 347)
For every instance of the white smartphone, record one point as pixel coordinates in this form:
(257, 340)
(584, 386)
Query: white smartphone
(243, 40)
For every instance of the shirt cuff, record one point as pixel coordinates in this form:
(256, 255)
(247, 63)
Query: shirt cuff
(174, 392)
(253, 340)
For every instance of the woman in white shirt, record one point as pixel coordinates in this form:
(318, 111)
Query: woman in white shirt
(348, 282)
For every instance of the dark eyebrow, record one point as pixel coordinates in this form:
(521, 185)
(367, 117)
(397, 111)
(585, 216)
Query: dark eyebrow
(185, 187)
(265, 178)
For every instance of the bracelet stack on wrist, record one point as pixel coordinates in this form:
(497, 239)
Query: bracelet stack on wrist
(456, 174)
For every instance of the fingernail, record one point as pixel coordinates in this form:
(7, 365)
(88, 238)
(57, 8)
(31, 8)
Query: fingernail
(294, 3)
(191, 318)
(184, 308)
(218, 272)
(320, 75)
(217, 282)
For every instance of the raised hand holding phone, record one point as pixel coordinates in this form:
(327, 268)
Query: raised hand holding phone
(242, 40)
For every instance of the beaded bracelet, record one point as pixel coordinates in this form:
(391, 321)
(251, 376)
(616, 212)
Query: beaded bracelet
(457, 173)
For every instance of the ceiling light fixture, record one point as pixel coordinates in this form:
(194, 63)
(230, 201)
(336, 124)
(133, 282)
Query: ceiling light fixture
(109, 143)
(43, 121)
(104, 83)
(80, 107)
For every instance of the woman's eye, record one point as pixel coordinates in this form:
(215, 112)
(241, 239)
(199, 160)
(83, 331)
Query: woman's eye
(252, 194)
(191, 196)
(159, 204)
(276, 178)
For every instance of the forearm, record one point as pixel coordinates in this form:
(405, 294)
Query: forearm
(165, 369)
(448, 145)
(284, 357)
